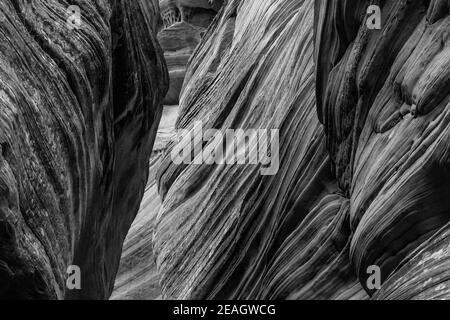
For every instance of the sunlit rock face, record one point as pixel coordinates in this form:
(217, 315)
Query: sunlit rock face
(227, 231)
(79, 109)
(137, 277)
(384, 99)
(183, 22)
(364, 149)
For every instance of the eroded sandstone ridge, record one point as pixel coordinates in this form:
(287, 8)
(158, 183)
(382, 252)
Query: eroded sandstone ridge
(79, 109)
(384, 99)
(364, 149)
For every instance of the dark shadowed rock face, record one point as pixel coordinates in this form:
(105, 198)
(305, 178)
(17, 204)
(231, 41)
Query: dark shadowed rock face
(137, 277)
(364, 149)
(78, 114)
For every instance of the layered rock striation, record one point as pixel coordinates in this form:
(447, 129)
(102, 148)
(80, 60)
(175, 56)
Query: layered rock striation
(384, 99)
(360, 154)
(181, 28)
(183, 23)
(137, 277)
(363, 147)
(227, 231)
(80, 102)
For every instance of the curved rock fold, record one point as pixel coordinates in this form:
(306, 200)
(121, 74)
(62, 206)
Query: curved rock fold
(74, 101)
(362, 122)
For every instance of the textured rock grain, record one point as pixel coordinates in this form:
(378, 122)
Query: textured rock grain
(181, 29)
(226, 231)
(137, 277)
(183, 24)
(364, 145)
(384, 99)
(78, 115)
(364, 151)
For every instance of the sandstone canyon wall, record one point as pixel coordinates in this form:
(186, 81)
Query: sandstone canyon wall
(364, 147)
(181, 28)
(227, 231)
(384, 99)
(364, 143)
(137, 277)
(79, 109)
(183, 23)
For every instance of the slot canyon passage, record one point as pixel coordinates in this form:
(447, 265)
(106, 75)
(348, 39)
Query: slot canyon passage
(88, 123)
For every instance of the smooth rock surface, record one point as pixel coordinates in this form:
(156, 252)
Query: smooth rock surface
(364, 145)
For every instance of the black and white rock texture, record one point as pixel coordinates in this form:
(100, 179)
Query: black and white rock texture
(384, 99)
(137, 277)
(364, 145)
(79, 110)
(181, 28)
(226, 231)
(364, 155)
(183, 23)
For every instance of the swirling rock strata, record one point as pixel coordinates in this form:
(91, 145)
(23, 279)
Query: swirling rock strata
(137, 277)
(384, 99)
(79, 111)
(364, 147)
(227, 231)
